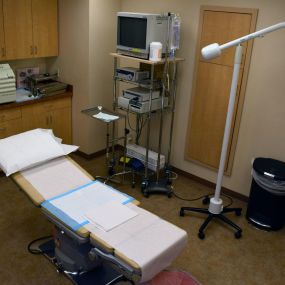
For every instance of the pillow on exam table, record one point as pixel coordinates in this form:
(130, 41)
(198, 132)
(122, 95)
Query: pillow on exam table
(30, 148)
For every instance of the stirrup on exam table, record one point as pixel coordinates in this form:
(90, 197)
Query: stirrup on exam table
(135, 250)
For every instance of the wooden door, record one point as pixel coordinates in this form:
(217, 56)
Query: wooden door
(60, 120)
(212, 81)
(18, 28)
(45, 27)
(2, 35)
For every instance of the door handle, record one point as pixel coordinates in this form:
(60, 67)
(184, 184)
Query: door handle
(3, 52)
(32, 50)
(36, 50)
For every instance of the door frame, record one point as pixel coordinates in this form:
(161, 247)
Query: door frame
(237, 117)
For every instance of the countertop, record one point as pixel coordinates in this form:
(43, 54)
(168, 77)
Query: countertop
(23, 97)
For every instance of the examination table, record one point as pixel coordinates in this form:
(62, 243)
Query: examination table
(134, 251)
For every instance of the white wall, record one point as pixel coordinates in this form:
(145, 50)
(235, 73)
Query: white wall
(73, 61)
(87, 33)
(263, 119)
(86, 38)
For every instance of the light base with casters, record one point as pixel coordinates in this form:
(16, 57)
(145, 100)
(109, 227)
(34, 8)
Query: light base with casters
(211, 216)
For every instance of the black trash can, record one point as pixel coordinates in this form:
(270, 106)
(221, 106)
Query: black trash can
(266, 204)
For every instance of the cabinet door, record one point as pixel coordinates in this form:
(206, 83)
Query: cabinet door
(52, 114)
(60, 123)
(33, 117)
(212, 82)
(2, 36)
(18, 28)
(45, 27)
(10, 128)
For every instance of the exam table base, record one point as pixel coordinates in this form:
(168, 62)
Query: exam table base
(104, 274)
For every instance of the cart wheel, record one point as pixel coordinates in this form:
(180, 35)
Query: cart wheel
(201, 235)
(206, 200)
(133, 184)
(181, 213)
(238, 234)
(146, 195)
(238, 213)
(143, 185)
(169, 195)
(111, 171)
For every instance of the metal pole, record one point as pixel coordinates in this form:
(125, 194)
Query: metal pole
(148, 123)
(231, 105)
(173, 109)
(137, 128)
(114, 107)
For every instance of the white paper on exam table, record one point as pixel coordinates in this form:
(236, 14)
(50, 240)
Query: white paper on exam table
(110, 215)
(148, 240)
(55, 177)
(76, 203)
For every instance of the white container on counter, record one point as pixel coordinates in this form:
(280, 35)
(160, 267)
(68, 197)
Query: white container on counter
(155, 50)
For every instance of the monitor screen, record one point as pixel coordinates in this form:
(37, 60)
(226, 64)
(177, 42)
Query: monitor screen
(132, 32)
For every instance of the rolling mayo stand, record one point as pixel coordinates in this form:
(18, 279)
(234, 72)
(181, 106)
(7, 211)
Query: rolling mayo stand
(109, 117)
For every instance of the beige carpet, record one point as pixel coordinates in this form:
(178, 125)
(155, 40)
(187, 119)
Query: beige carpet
(257, 258)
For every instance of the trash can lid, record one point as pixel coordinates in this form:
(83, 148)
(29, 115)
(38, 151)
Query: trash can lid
(270, 168)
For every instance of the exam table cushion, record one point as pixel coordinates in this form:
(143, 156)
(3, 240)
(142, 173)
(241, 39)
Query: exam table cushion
(29, 149)
(50, 179)
(145, 242)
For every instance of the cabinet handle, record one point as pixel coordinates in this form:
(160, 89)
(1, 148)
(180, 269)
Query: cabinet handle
(47, 121)
(32, 50)
(51, 119)
(3, 52)
(36, 50)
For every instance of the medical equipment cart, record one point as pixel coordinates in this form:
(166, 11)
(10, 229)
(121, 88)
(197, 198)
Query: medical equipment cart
(163, 76)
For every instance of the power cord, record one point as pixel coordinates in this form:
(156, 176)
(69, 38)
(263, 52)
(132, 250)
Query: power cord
(206, 198)
(141, 123)
(37, 251)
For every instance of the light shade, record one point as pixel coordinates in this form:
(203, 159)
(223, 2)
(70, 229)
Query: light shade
(211, 51)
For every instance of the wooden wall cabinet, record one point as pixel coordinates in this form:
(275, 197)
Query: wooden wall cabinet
(45, 28)
(53, 114)
(29, 29)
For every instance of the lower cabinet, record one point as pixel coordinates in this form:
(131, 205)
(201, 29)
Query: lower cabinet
(52, 114)
(10, 122)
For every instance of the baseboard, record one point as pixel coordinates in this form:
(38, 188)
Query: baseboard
(210, 184)
(92, 155)
(175, 169)
(97, 153)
